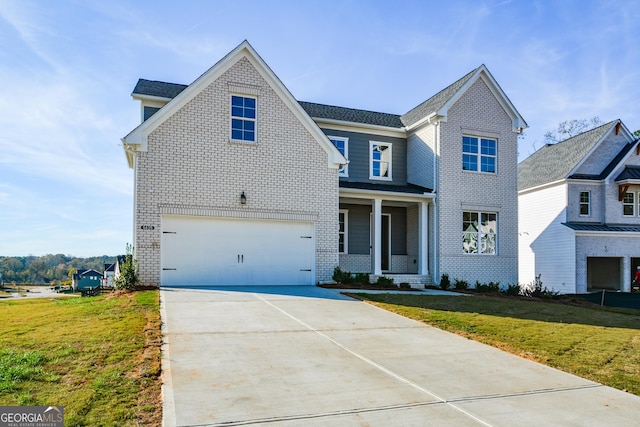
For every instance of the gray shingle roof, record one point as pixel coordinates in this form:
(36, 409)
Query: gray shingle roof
(629, 172)
(322, 111)
(156, 88)
(603, 227)
(434, 103)
(351, 115)
(554, 161)
(408, 188)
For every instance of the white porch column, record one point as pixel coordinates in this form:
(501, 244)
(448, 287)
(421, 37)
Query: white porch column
(376, 244)
(423, 242)
(626, 277)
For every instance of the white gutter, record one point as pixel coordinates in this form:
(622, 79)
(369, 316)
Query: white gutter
(436, 183)
(359, 193)
(346, 125)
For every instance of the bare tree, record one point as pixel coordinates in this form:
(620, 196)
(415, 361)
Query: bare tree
(570, 128)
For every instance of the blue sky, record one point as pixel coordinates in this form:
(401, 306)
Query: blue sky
(67, 69)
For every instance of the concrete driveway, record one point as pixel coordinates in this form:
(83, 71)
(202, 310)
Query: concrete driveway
(307, 356)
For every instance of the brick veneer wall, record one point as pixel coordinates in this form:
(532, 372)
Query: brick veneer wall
(192, 166)
(478, 113)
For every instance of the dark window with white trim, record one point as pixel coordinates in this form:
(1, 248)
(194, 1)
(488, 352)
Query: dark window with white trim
(380, 158)
(585, 203)
(343, 221)
(342, 144)
(479, 154)
(479, 232)
(243, 118)
(629, 204)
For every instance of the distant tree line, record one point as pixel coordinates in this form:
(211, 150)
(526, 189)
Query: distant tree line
(48, 268)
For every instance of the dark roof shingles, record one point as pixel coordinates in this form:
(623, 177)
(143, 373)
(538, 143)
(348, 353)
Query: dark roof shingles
(408, 188)
(351, 115)
(434, 103)
(156, 88)
(629, 172)
(602, 227)
(322, 111)
(554, 161)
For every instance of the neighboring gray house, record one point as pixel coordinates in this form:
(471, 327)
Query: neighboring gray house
(579, 208)
(236, 182)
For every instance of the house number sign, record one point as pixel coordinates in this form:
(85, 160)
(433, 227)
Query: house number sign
(147, 227)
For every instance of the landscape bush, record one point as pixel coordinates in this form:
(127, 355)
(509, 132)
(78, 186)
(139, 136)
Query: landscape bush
(340, 276)
(487, 287)
(361, 278)
(512, 289)
(461, 285)
(128, 277)
(384, 281)
(535, 289)
(445, 283)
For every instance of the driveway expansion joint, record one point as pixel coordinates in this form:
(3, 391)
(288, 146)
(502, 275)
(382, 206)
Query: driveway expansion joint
(378, 366)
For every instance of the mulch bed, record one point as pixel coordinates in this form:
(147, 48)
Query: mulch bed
(369, 287)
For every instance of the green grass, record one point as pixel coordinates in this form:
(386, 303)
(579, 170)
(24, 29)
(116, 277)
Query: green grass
(602, 345)
(98, 357)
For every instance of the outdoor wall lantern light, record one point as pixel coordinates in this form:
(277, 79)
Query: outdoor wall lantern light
(243, 199)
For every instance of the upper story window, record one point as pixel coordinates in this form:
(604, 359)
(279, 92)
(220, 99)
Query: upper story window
(629, 204)
(343, 221)
(342, 144)
(585, 203)
(479, 232)
(479, 154)
(380, 158)
(148, 112)
(243, 118)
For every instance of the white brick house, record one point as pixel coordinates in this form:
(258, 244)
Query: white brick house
(579, 212)
(236, 182)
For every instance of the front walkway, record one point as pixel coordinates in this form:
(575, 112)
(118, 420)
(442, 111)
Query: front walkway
(305, 356)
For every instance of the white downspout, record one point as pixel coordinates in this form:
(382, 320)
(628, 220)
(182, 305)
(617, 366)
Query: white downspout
(436, 188)
(135, 204)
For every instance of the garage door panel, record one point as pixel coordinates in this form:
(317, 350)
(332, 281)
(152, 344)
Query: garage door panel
(215, 252)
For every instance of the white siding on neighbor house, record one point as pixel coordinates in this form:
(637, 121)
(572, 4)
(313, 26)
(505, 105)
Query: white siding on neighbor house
(477, 113)
(546, 247)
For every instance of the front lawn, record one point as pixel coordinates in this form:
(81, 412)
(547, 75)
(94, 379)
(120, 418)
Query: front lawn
(99, 357)
(602, 345)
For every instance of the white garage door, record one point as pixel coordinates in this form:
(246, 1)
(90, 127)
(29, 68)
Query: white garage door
(199, 251)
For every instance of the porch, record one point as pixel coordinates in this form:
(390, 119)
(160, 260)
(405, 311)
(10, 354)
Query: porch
(384, 231)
